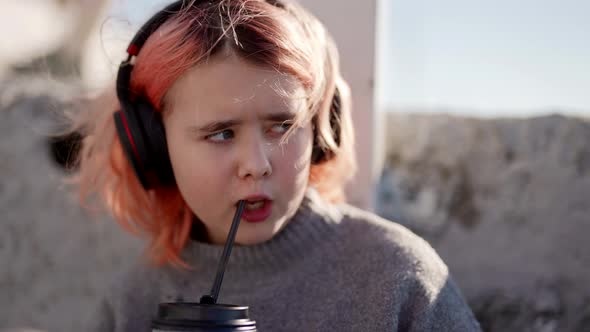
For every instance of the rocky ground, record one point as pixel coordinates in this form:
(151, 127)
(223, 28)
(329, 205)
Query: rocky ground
(504, 202)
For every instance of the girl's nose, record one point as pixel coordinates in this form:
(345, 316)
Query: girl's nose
(255, 160)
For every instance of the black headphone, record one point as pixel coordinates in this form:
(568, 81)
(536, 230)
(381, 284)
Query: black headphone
(139, 126)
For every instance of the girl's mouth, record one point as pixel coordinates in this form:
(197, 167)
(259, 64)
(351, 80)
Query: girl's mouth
(257, 210)
(254, 205)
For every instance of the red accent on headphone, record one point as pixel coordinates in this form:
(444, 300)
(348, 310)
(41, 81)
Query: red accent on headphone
(130, 137)
(132, 50)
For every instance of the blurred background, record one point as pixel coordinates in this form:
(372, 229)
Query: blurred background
(472, 129)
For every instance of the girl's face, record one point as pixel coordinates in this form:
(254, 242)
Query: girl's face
(224, 121)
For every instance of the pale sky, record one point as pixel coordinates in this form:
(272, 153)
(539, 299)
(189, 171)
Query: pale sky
(502, 56)
(487, 58)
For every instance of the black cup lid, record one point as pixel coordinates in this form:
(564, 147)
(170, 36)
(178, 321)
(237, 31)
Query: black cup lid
(188, 314)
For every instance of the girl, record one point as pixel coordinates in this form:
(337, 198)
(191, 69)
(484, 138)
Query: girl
(229, 100)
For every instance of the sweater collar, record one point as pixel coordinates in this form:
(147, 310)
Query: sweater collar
(311, 226)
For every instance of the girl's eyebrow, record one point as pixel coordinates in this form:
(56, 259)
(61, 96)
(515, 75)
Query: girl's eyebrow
(280, 116)
(216, 126)
(219, 125)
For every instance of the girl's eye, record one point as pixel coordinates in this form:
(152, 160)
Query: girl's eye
(281, 128)
(221, 136)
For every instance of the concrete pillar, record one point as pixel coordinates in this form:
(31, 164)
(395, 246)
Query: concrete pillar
(352, 24)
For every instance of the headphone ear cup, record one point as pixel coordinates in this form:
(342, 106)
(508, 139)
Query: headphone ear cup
(320, 153)
(155, 137)
(129, 133)
(141, 132)
(335, 112)
(317, 152)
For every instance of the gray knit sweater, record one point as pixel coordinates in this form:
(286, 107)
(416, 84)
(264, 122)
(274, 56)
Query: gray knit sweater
(332, 268)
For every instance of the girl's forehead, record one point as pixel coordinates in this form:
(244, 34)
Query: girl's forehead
(233, 83)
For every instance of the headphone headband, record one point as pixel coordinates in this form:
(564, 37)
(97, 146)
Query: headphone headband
(152, 25)
(146, 30)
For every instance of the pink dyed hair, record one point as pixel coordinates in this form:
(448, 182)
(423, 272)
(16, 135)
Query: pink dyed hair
(278, 35)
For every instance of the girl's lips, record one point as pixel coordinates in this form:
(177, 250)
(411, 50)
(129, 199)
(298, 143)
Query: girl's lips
(259, 214)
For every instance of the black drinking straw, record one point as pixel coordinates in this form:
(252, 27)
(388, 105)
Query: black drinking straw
(229, 243)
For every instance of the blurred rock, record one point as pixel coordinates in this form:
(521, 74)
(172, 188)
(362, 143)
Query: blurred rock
(505, 203)
(56, 258)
